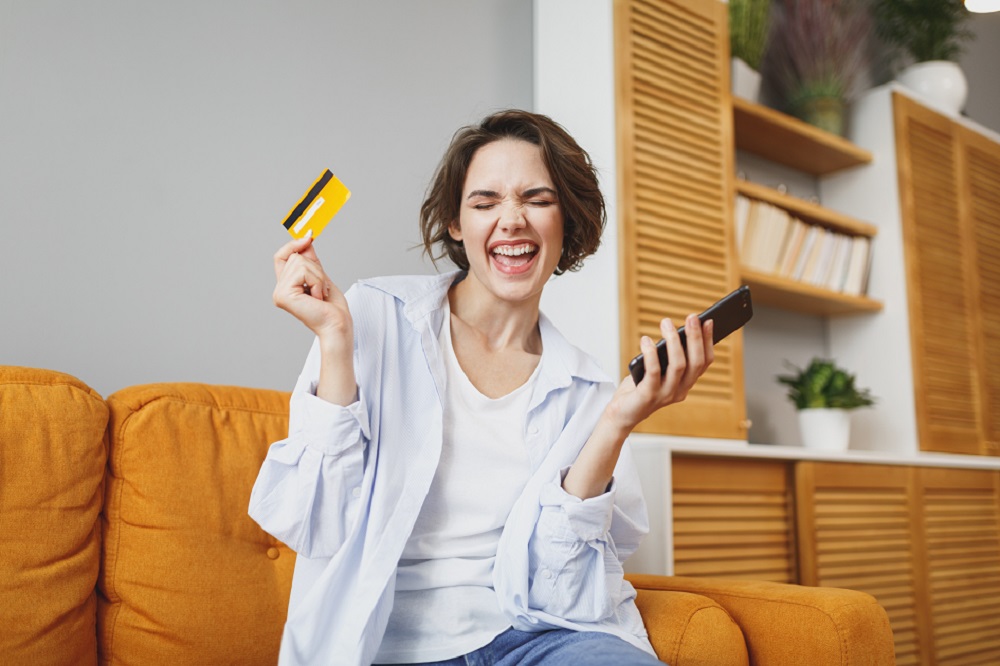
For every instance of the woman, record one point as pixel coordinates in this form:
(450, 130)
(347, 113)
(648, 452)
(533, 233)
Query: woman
(454, 480)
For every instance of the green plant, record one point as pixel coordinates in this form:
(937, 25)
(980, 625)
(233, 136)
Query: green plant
(925, 29)
(749, 22)
(823, 384)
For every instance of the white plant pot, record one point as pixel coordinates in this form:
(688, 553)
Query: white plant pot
(825, 429)
(744, 80)
(940, 82)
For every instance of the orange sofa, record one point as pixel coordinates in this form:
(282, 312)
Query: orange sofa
(125, 540)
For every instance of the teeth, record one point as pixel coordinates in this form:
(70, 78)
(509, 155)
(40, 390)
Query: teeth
(514, 250)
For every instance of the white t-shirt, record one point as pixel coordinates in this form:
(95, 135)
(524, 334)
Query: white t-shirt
(445, 605)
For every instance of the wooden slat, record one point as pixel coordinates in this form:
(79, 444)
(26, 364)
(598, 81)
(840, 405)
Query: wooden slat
(982, 174)
(675, 194)
(857, 526)
(962, 526)
(939, 269)
(732, 521)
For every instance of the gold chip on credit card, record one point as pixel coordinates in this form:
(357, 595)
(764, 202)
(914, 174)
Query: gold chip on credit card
(317, 207)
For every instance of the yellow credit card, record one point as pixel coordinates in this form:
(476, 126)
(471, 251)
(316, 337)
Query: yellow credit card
(317, 207)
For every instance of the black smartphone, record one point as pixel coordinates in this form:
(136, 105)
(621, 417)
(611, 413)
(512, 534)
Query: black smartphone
(729, 314)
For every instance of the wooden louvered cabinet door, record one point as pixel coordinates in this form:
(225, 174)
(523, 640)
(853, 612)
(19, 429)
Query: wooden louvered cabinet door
(675, 159)
(950, 223)
(961, 516)
(859, 527)
(942, 336)
(980, 189)
(733, 519)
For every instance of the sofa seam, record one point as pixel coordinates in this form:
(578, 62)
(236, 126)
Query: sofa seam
(189, 401)
(121, 490)
(687, 625)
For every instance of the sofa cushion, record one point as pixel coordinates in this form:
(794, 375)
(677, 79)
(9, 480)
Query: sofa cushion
(691, 630)
(52, 458)
(186, 571)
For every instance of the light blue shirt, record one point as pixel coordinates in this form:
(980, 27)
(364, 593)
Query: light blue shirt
(346, 486)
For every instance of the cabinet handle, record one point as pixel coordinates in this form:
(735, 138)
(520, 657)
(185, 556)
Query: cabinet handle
(746, 424)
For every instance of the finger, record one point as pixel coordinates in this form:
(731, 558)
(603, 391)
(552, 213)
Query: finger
(709, 331)
(300, 274)
(676, 359)
(695, 346)
(292, 247)
(651, 361)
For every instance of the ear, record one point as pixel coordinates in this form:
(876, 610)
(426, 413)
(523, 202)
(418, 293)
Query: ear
(455, 231)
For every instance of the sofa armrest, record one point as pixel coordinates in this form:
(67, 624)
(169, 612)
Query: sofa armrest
(793, 624)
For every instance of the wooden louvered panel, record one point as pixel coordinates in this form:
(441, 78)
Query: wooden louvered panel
(675, 161)
(732, 520)
(982, 174)
(962, 526)
(856, 530)
(939, 270)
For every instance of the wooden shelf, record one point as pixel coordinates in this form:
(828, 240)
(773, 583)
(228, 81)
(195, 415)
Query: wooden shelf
(806, 210)
(806, 298)
(780, 138)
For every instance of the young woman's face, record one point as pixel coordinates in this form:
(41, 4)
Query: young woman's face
(510, 221)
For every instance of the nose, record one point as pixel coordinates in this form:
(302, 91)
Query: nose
(512, 216)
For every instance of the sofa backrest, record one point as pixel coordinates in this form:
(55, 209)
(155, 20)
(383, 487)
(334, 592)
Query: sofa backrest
(52, 460)
(185, 570)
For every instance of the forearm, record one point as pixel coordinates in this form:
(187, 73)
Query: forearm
(337, 384)
(593, 469)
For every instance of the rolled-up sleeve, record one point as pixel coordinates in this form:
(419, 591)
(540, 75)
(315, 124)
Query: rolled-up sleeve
(309, 489)
(575, 568)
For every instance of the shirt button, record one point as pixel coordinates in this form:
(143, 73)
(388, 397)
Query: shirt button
(273, 553)
(533, 430)
(546, 574)
(356, 493)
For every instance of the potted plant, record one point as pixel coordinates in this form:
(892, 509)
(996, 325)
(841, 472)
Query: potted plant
(749, 22)
(931, 33)
(824, 394)
(818, 50)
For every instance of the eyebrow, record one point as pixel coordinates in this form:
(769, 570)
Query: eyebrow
(490, 194)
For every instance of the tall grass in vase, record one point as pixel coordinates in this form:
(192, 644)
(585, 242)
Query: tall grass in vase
(819, 50)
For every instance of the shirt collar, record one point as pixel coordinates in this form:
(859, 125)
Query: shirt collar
(422, 295)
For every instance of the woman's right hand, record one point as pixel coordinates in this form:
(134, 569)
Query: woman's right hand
(304, 290)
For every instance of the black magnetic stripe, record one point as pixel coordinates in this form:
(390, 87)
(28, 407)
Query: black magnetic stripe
(310, 195)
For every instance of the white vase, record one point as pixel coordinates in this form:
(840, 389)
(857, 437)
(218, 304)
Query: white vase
(940, 82)
(825, 429)
(744, 80)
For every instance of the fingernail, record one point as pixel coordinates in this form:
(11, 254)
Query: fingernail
(309, 234)
(645, 342)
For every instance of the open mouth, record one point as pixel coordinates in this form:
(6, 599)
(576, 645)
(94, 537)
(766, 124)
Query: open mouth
(514, 258)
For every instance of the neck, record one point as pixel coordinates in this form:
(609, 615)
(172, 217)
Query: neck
(503, 325)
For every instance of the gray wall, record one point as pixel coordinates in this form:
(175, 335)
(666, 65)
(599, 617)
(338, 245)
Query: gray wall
(980, 62)
(149, 152)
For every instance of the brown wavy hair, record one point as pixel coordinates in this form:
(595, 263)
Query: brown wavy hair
(569, 165)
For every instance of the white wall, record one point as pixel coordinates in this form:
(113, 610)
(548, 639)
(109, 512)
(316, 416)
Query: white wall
(150, 151)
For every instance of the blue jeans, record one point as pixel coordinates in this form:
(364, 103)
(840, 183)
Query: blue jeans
(554, 648)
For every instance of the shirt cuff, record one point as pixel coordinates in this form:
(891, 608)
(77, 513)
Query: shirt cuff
(327, 427)
(588, 519)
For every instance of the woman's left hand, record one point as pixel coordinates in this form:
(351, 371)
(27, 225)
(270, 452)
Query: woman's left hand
(632, 404)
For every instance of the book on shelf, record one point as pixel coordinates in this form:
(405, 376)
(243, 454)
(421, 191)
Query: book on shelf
(817, 258)
(834, 279)
(797, 233)
(765, 235)
(806, 251)
(857, 270)
(741, 212)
